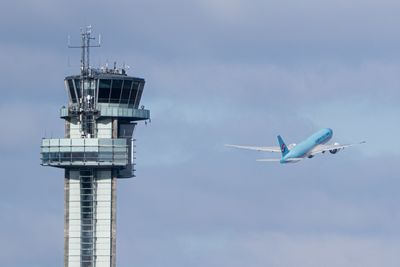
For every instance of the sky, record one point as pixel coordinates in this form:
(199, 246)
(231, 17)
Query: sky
(216, 72)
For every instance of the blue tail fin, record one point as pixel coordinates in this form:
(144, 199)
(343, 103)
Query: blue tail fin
(283, 146)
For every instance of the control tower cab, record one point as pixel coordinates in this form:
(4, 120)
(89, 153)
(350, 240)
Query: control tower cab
(111, 101)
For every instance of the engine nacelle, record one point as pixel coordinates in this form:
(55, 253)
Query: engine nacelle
(334, 151)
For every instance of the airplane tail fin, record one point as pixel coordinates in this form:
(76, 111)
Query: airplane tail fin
(283, 147)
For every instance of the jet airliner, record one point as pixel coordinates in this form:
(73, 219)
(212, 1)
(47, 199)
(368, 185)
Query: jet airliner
(308, 148)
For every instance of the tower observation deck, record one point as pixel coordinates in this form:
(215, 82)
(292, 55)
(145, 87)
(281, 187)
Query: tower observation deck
(98, 148)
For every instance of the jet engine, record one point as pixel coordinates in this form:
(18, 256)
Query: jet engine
(336, 150)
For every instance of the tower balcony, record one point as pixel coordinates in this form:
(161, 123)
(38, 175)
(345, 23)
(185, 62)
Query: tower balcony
(113, 110)
(91, 152)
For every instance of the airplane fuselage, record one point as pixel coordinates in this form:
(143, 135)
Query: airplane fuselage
(305, 148)
(313, 145)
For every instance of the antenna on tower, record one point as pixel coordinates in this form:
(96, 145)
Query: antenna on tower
(85, 46)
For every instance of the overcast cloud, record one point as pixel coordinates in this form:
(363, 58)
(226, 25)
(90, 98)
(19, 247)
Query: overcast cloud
(216, 72)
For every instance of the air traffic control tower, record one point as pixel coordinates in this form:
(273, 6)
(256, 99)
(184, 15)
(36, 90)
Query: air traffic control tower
(98, 149)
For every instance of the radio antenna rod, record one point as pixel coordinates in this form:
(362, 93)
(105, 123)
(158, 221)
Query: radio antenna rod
(85, 46)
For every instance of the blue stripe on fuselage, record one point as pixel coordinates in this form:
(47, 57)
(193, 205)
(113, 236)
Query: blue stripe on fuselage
(303, 149)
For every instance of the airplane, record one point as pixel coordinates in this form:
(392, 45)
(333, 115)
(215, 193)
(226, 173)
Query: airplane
(313, 145)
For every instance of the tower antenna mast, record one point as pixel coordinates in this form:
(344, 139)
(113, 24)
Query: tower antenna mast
(85, 46)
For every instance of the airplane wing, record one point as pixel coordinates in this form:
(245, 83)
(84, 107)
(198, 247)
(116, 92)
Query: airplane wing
(324, 148)
(274, 149)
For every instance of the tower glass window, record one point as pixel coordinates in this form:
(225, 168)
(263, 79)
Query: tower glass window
(126, 90)
(104, 90)
(116, 91)
(71, 90)
(77, 83)
(139, 94)
(134, 91)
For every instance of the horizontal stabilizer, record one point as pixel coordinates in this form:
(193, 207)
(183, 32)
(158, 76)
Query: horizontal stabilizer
(293, 159)
(269, 160)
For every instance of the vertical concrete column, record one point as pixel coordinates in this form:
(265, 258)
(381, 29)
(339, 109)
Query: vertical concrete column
(66, 218)
(73, 219)
(113, 221)
(103, 252)
(114, 203)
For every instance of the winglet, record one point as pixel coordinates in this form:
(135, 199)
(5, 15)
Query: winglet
(283, 147)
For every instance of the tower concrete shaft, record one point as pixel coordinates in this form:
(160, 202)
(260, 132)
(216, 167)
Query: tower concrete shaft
(97, 149)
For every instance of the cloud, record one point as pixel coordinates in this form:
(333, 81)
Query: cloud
(237, 211)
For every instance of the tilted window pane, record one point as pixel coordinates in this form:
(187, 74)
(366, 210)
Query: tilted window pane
(104, 90)
(139, 95)
(126, 90)
(116, 91)
(78, 87)
(72, 91)
(135, 88)
(78, 84)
